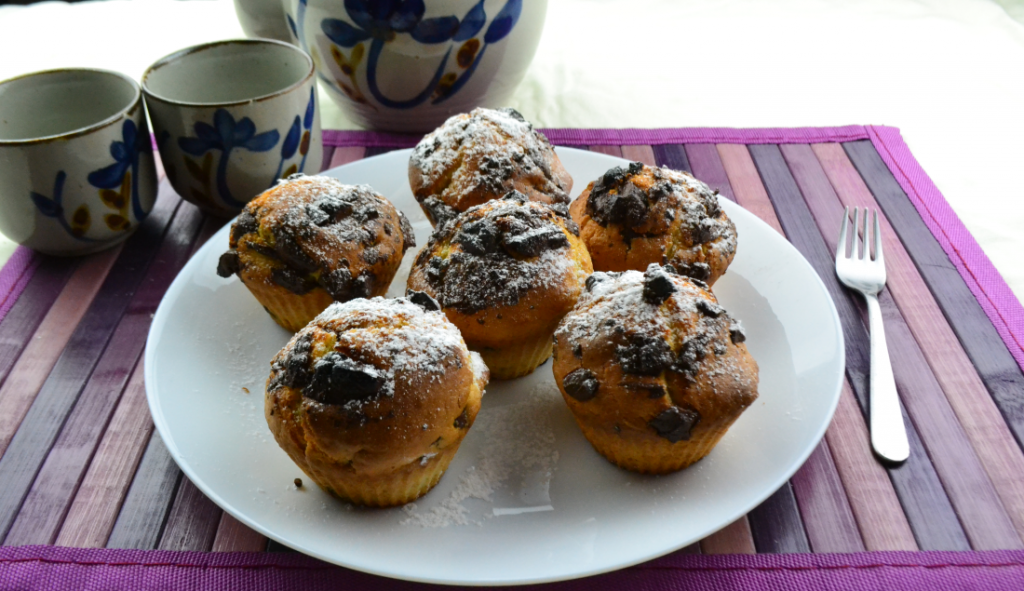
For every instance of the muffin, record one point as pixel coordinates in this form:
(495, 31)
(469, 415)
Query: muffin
(312, 240)
(373, 398)
(652, 368)
(480, 156)
(638, 215)
(505, 273)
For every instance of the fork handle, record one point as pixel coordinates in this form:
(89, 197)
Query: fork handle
(888, 433)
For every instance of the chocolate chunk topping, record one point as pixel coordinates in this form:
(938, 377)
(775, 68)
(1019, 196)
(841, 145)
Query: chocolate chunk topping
(711, 204)
(674, 423)
(371, 256)
(262, 249)
(514, 114)
(581, 384)
(335, 206)
(496, 262)
(496, 171)
(338, 283)
(293, 370)
(367, 214)
(736, 333)
(594, 279)
(644, 355)
(533, 242)
(694, 350)
(229, 264)
(699, 271)
(709, 308)
(704, 231)
(436, 268)
(577, 351)
(408, 235)
(479, 237)
(660, 190)
(462, 421)
(652, 390)
(362, 286)
(514, 195)
(245, 224)
(438, 211)
(656, 391)
(287, 247)
(720, 348)
(292, 281)
(561, 209)
(614, 199)
(423, 300)
(628, 206)
(658, 286)
(317, 216)
(338, 380)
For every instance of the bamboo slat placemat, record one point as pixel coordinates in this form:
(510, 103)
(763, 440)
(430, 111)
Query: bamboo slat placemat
(81, 465)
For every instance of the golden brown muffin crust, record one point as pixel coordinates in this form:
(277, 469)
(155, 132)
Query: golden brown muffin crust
(482, 155)
(638, 215)
(371, 387)
(508, 269)
(652, 357)
(314, 233)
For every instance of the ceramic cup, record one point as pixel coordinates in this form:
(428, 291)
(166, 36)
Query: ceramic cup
(262, 19)
(233, 117)
(76, 160)
(408, 65)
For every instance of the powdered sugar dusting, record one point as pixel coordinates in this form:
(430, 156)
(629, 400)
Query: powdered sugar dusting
(480, 272)
(467, 136)
(693, 331)
(613, 300)
(416, 340)
(515, 465)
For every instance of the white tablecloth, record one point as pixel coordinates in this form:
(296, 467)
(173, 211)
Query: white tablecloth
(948, 73)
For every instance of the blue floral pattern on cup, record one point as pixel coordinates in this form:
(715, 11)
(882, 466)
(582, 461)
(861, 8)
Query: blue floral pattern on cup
(54, 208)
(122, 174)
(224, 136)
(381, 21)
(297, 140)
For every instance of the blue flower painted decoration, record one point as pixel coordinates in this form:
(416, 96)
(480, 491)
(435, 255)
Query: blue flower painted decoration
(126, 157)
(224, 136)
(382, 20)
(54, 208)
(297, 140)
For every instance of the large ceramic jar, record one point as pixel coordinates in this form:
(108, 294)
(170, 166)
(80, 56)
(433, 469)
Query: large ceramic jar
(407, 65)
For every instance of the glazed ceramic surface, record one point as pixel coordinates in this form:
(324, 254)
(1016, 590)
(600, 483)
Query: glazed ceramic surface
(526, 498)
(76, 163)
(262, 19)
(233, 117)
(407, 65)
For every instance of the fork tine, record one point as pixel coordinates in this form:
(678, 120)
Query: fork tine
(855, 249)
(878, 240)
(841, 248)
(865, 238)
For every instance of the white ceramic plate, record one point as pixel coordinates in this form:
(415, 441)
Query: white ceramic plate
(526, 499)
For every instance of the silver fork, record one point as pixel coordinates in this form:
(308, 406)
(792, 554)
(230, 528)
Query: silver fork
(858, 271)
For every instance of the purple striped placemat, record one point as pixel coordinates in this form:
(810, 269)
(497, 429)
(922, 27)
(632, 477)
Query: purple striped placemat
(14, 277)
(80, 465)
(77, 569)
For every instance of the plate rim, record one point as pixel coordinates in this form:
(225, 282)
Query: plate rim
(159, 420)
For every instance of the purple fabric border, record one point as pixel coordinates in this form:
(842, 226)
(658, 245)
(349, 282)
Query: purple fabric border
(988, 286)
(633, 137)
(79, 569)
(14, 277)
